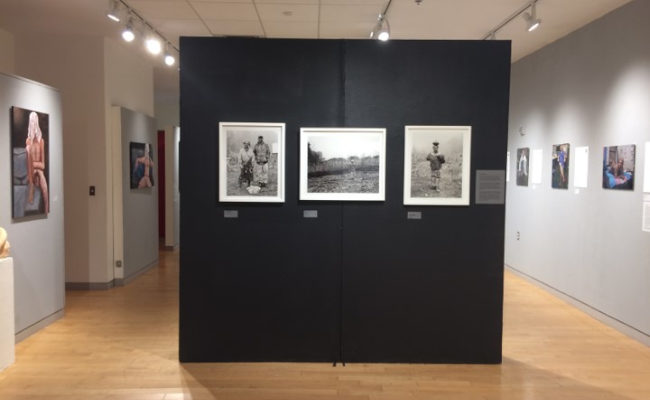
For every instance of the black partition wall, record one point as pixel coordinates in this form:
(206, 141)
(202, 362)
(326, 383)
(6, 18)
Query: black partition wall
(360, 283)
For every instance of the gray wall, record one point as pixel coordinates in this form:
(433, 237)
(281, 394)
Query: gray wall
(37, 245)
(140, 206)
(591, 88)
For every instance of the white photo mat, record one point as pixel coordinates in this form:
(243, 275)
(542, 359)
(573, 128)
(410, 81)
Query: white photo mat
(441, 134)
(343, 144)
(251, 129)
(536, 161)
(581, 174)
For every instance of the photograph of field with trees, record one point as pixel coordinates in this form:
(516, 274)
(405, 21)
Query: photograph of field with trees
(342, 169)
(343, 162)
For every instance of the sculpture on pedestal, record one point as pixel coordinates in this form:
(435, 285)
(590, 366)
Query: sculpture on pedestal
(4, 244)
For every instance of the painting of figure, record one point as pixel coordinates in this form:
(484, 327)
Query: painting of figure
(142, 164)
(30, 163)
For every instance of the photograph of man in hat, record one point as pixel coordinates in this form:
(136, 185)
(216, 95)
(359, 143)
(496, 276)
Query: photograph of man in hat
(251, 162)
(245, 159)
(435, 162)
(262, 153)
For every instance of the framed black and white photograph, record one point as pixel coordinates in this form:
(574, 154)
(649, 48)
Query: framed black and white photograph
(251, 162)
(437, 165)
(347, 164)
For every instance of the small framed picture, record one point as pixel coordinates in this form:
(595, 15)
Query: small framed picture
(437, 165)
(141, 161)
(560, 166)
(251, 162)
(30, 172)
(523, 155)
(618, 167)
(344, 164)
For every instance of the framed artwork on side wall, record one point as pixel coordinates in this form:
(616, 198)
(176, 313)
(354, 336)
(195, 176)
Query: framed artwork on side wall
(251, 162)
(141, 162)
(30, 166)
(560, 166)
(347, 164)
(618, 167)
(437, 165)
(523, 155)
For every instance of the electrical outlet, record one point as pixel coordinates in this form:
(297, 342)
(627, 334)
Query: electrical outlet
(518, 235)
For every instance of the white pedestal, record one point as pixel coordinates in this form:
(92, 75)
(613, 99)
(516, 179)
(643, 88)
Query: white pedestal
(7, 334)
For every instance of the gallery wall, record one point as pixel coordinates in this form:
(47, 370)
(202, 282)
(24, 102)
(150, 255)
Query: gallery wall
(37, 243)
(360, 282)
(92, 73)
(74, 64)
(6, 52)
(591, 88)
(172, 195)
(139, 206)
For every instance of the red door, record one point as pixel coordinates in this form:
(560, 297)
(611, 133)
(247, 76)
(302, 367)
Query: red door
(161, 184)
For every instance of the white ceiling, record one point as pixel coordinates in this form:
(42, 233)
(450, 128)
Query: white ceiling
(354, 19)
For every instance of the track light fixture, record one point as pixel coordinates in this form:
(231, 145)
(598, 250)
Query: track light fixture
(127, 34)
(532, 21)
(381, 30)
(113, 11)
(384, 31)
(135, 23)
(153, 45)
(169, 58)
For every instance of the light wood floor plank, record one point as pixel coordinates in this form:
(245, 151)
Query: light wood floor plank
(122, 344)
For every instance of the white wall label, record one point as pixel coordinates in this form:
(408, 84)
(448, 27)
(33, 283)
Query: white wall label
(581, 175)
(490, 186)
(508, 167)
(536, 158)
(646, 216)
(646, 171)
(414, 215)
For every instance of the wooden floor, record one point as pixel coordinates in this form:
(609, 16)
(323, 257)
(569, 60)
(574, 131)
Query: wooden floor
(122, 344)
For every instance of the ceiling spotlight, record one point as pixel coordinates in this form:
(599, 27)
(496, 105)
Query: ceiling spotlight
(532, 21)
(153, 46)
(113, 11)
(128, 34)
(169, 60)
(382, 29)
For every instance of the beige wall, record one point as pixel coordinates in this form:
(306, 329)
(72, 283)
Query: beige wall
(167, 114)
(6, 52)
(75, 65)
(129, 77)
(92, 73)
(128, 83)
